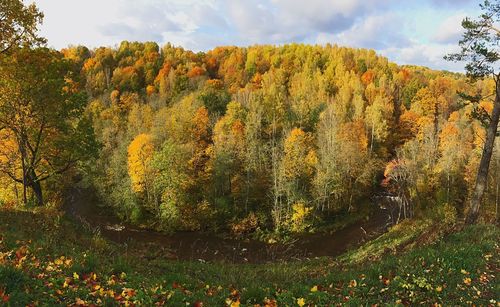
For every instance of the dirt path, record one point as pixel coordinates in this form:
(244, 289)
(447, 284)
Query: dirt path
(210, 247)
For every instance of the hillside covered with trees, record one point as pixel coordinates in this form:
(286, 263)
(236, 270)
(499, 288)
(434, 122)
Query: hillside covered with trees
(271, 144)
(279, 138)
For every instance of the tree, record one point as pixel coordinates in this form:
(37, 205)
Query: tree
(479, 46)
(297, 168)
(377, 117)
(227, 156)
(19, 24)
(140, 154)
(43, 114)
(455, 146)
(170, 183)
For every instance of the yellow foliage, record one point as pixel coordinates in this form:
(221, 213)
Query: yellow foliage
(9, 162)
(150, 90)
(115, 96)
(140, 152)
(487, 106)
(89, 64)
(299, 216)
(300, 157)
(455, 116)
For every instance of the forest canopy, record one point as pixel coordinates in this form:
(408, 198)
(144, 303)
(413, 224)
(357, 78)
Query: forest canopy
(280, 138)
(272, 137)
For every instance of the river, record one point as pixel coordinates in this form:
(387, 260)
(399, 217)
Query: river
(201, 246)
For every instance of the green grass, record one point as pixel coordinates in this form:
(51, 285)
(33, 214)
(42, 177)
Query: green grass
(456, 270)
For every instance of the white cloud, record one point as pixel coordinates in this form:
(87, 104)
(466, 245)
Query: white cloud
(429, 55)
(450, 3)
(373, 32)
(392, 27)
(450, 29)
(281, 21)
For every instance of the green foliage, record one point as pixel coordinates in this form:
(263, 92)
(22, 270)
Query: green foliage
(223, 129)
(41, 106)
(170, 182)
(214, 100)
(19, 24)
(356, 110)
(457, 269)
(12, 279)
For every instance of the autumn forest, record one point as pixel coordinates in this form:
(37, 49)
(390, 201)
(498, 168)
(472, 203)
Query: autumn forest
(264, 142)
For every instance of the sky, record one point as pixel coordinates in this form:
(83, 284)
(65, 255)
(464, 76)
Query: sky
(416, 32)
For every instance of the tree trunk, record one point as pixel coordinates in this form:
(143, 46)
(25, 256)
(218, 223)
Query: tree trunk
(37, 191)
(25, 182)
(36, 187)
(22, 151)
(482, 173)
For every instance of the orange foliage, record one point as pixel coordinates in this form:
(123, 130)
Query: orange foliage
(196, 72)
(487, 106)
(164, 71)
(238, 128)
(199, 132)
(150, 90)
(89, 65)
(257, 81)
(408, 126)
(215, 83)
(405, 74)
(115, 96)
(355, 132)
(368, 77)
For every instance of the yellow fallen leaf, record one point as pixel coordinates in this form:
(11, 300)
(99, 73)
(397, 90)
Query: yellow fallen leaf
(314, 289)
(76, 276)
(301, 302)
(439, 288)
(467, 281)
(111, 282)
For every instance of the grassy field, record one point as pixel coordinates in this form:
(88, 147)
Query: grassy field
(46, 260)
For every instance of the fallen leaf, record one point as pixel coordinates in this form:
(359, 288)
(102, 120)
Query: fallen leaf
(467, 281)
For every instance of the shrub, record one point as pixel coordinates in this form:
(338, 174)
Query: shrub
(247, 225)
(300, 220)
